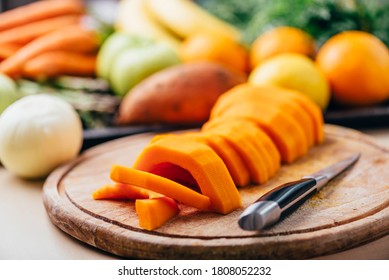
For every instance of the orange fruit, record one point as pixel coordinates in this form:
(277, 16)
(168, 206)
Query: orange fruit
(356, 65)
(281, 40)
(215, 48)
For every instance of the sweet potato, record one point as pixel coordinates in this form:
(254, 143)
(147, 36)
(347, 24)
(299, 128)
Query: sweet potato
(182, 94)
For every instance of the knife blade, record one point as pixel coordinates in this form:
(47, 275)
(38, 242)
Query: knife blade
(270, 207)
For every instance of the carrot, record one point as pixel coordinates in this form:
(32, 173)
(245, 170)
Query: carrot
(55, 63)
(30, 31)
(6, 50)
(70, 38)
(39, 10)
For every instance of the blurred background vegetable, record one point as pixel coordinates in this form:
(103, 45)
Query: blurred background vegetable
(320, 18)
(37, 134)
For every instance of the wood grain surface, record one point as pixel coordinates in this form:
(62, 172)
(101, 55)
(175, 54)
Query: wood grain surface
(352, 210)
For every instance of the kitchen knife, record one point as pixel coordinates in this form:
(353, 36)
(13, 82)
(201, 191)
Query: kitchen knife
(269, 208)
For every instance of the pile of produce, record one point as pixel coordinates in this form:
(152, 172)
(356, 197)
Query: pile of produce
(272, 117)
(256, 77)
(147, 37)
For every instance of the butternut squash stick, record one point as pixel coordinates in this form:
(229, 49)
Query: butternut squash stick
(160, 185)
(153, 209)
(122, 191)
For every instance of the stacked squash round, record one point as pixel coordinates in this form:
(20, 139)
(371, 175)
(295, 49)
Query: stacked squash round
(251, 132)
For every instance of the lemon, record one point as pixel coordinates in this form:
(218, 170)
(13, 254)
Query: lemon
(294, 71)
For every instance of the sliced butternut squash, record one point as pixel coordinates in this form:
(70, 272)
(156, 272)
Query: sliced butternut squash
(311, 108)
(122, 191)
(167, 187)
(270, 147)
(270, 96)
(231, 158)
(248, 130)
(154, 212)
(222, 148)
(199, 161)
(153, 209)
(283, 130)
(264, 144)
(239, 139)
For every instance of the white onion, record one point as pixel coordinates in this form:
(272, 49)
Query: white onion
(37, 134)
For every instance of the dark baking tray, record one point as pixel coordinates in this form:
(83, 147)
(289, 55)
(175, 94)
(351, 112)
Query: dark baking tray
(357, 118)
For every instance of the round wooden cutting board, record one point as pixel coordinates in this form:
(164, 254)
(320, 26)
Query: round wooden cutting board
(352, 210)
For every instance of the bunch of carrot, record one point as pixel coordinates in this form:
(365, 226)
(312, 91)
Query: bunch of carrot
(45, 39)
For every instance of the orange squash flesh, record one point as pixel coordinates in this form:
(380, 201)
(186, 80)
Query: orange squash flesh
(295, 108)
(271, 148)
(311, 108)
(251, 131)
(239, 140)
(122, 191)
(229, 156)
(153, 209)
(252, 134)
(270, 96)
(206, 167)
(155, 212)
(167, 187)
(265, 145)
(283, 130)
(262, 142)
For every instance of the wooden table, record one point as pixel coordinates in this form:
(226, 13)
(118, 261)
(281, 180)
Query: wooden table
(27, 233)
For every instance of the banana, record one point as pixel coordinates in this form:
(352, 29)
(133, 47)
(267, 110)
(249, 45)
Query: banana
(133, 18)
(185, 18)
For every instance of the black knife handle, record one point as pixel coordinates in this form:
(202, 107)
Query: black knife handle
(290, 193)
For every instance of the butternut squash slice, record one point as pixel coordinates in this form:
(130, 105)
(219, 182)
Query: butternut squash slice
(231, 159)
(239, 139)
(311, 108)
(153, 209)
(283, 130)
(270, 96)
(265, 144)
(222, 148)
(196, 159)
(271, 148)
(154, 212)
(259, 139)
(167, 187)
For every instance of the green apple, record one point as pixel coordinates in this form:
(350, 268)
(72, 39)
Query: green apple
(134, 65)
(112, 47)
(8, 92)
